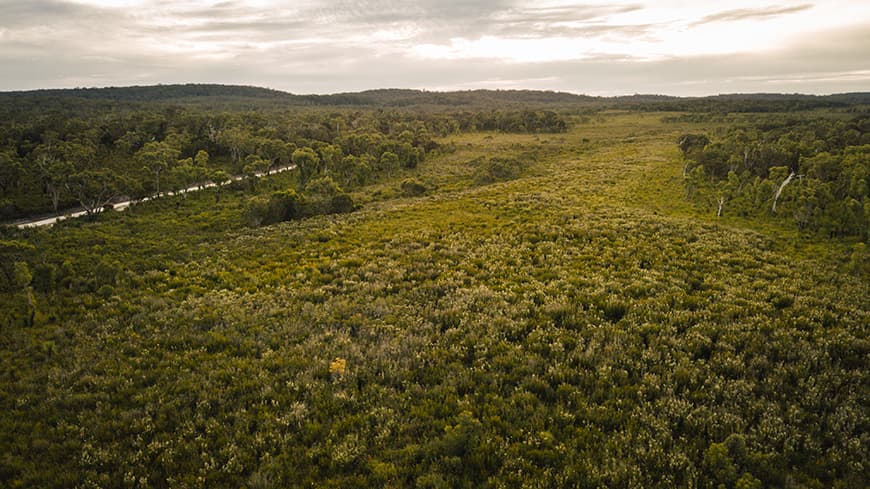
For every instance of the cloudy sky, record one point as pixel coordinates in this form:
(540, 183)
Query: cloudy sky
(678, 47)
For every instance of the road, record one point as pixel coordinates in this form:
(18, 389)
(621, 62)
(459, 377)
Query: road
(120, 206)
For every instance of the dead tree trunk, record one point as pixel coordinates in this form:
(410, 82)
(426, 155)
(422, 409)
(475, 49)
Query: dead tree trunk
(779, 191)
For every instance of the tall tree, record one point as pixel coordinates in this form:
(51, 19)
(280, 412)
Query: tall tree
(275, 151)
(184, 175)
(307, 162)
(53, 170)
(157, 157)
(201, 158)
(238, 141)
(220, 178)
(94, 189)
(254, 167)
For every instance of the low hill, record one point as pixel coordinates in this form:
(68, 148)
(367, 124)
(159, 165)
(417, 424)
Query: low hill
(243, 96)
(231, 97)
(158, 92)
(405, 97)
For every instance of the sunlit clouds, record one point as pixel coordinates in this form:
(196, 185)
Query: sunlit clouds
(675, 47)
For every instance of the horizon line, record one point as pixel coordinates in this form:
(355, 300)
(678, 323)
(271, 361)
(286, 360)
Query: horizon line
(426, 90)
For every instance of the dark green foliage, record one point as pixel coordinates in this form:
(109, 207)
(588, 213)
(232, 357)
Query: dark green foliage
(280, 206)
(614, 310)
(153, 149)
(44, 277)
(284, 205)
(814, 172)
(13, 255)
(321, 196)
(412, 187)
(498, 169)
(746, 103)
(691, 144)
(341, 204)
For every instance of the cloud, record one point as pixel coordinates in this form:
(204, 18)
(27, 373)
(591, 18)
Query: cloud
(585, 20)
(562, 14)
(421, 10)
(14, 13)
(752, 13)
(323, 46)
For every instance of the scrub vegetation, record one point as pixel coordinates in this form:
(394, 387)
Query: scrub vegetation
(430, 301)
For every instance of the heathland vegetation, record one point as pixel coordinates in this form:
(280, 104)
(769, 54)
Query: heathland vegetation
(447, 291)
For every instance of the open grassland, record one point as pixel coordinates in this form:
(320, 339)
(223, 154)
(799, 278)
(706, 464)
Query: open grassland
(582, 325)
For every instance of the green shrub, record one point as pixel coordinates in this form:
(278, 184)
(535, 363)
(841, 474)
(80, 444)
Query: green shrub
(106, 291)
(341, 204)
(322, 187)
(256, 211)
(497, 170)
(412, 187)
(284, 205)
(325, 197)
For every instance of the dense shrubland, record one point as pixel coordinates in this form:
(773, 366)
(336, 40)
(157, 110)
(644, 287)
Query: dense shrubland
(575, 324)
(813, 172)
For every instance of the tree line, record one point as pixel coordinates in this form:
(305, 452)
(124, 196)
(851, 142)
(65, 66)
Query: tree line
(50, 162)
(813, 172)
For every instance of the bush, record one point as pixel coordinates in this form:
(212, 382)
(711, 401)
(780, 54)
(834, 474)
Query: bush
(322, 187)
(498, 169)
(256, 211)
(286, 205)
(280, 206)
(412, 187)
(341, 204)
(324, 196)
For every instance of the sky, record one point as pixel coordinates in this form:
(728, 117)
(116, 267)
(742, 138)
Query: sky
(673, 47)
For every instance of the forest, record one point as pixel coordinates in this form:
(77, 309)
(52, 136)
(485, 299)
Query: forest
(49, 162)
(813, 172)
(471, 289)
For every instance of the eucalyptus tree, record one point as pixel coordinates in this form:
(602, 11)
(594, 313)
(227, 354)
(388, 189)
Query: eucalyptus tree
(156, 158)
(184, 175)
(95, 189)
(51, 170)
(238, 141)
(219, 178)
(307, 162)
(201, 158)
(254, 167)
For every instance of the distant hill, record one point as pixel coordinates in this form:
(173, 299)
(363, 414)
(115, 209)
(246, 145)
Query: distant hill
(211, 97)
(404, 97)
(195, 93)
(743, 102)
(159, 92)
(235, 97)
